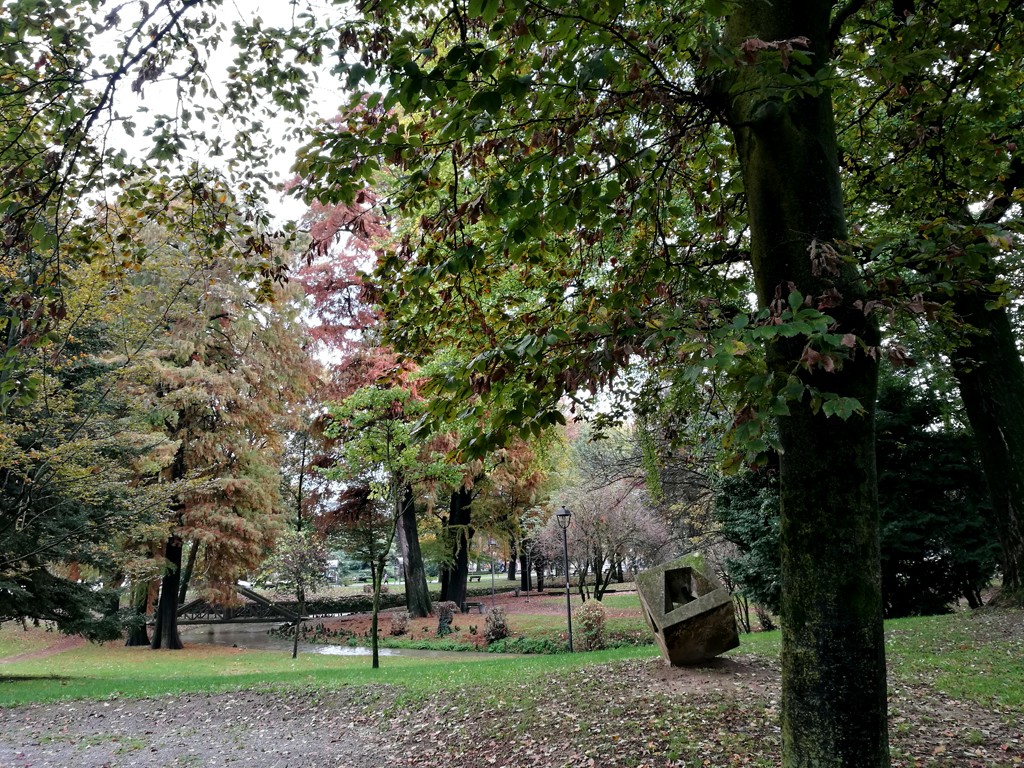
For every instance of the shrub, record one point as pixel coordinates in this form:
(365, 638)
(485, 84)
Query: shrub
(526, 645)
(349, 603)
(496, 625)
(589, 619)
(445, 612)
(399, 623)
(431, 644)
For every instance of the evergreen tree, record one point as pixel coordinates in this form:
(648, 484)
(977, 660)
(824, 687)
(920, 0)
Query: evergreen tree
(937, 542)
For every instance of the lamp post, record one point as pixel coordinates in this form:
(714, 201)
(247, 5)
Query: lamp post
(490, 552)
(563, 516)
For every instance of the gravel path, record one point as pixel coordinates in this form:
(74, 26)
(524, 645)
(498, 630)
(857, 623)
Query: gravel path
(248, 728)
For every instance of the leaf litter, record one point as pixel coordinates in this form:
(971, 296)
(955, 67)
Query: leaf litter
(633, 714)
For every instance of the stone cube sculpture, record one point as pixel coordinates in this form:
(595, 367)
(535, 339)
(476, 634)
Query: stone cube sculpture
(689, 611)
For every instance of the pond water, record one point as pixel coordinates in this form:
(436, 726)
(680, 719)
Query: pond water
(254, 636)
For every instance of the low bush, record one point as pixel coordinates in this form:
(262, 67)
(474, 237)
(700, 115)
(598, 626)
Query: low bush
(589, 620)
(495, 625)
(628, 639)
(527, 645)
(429, 644)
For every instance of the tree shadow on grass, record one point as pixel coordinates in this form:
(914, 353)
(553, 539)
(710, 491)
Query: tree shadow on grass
(30, 678)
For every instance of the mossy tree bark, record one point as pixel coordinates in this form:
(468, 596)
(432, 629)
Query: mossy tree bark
(834, 688)
(989, 371)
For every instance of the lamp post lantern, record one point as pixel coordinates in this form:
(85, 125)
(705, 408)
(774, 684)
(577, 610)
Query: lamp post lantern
(564, 516)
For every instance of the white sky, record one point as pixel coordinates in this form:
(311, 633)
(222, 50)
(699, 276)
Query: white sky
(160, 97)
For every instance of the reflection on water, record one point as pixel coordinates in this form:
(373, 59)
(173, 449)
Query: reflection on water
(348, 650)
(254, 636)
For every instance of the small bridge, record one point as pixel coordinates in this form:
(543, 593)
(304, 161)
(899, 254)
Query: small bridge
(254, 608)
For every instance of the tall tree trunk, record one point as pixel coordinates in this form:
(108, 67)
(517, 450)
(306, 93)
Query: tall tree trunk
(989, 371)
(444, 579)
(138, 635)
(460, 533)
(833, 654)
(524, 570)
(602, 581)
(377, 575)
(417, 593)
(510, 571)
(539, 564)
(165, 631)
(378, 562)
(186, 574)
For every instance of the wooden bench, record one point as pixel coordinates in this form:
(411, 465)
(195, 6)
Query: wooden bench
(473, 604)
(475, 577)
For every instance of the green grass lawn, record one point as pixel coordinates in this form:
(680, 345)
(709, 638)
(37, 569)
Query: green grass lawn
(617, 601)
(956, 695)
(977, 656)
(111, 670)
(14, 640)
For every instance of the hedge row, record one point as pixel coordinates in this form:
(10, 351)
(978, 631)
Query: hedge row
(364, 603)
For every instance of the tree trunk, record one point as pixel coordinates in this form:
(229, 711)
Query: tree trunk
(601, 582)
(511, 563)
(742, 606)
(138, 635)
(186, 574)
(377, 575)
(300, 601)
(833, 654)
(114, 585)
(581, 580)
(165, 631)
(417, 593)
(444, 577)
(539, 564)
(989, 371)
(460, 533)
